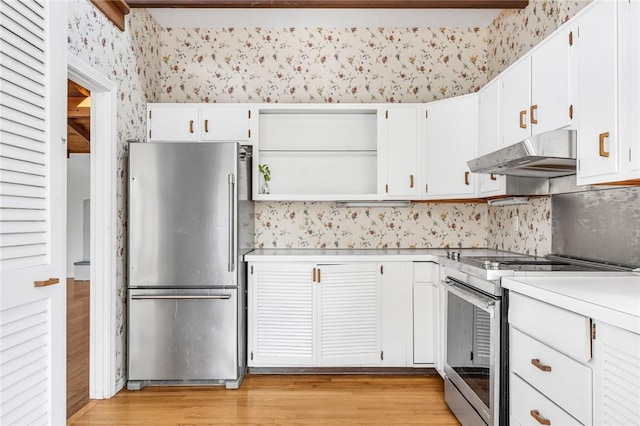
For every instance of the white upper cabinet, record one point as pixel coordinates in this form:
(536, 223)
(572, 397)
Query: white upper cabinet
(536, 90)
(450, 139)
(173, 123)
(489, 135)
(629, 87)
(400, 152)
(225, 123)
(597, 94)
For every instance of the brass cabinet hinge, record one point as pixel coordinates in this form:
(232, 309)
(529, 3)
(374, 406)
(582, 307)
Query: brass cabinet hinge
(593, 330)
(570, 38)
(386, 114)
(386, 188)
(571, 112)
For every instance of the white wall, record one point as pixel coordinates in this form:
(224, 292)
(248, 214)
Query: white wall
(78, 175)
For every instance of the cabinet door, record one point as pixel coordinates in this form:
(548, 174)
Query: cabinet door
(550, 84)
(224, 123)
(516, 100)
(423, 327)
(451, 132)
(616, 387)
(596, 94)
(281, 315)
(629, 89)
(489, 135)
(173, 124)
(402, 152)
(348, 314)
(395, 305)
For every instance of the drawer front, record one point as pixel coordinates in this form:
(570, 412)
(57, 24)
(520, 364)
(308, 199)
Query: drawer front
(529, 407)
(560, 378)
(422, 272)
(551, 325)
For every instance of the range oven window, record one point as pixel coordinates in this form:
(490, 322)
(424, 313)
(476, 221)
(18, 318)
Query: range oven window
(468, 345)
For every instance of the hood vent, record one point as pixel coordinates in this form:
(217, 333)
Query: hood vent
(547, 155)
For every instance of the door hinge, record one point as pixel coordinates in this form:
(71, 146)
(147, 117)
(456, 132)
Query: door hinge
(251, 269)
(578, 164)
(149, 115)
(629, 154)
(471, 356)
(426, 114)
(386, 188)
(386, 114)
(249, 133)
(593, 330)
(426, 188)
(570, 38)
(149, 134)
(571, 112)
(381, 355)
(381, 269)
(249, 113)
(251, 355)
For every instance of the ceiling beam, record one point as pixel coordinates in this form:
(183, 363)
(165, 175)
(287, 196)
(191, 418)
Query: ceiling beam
(333, 4)
(73, 111)
(114, 10)
(79, 130)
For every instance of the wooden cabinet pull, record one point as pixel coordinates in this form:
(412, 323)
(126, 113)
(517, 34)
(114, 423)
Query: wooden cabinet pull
(318, 275)
(523, 113)
(314, 275)
(466, 178)
(410, 181)
(50, 281)
(536, 415)
(493, 177)
(190, 126)
(603, 136)
(532, 114)
(206, 126)
(536, 363)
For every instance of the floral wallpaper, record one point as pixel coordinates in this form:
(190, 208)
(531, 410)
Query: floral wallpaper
(534, 227)
(514, 32)
(325, 225)
(321, 64)
(131, 60)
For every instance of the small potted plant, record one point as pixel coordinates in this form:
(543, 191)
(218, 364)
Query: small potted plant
(266, 177)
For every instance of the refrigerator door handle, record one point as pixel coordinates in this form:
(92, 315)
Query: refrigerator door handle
(232, 254)
(182, 297)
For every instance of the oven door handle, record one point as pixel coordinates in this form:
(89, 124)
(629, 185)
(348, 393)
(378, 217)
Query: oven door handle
(485, 303)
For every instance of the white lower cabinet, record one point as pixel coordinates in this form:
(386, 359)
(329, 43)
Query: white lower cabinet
(304, 314)
(370, 314)
(556, 381)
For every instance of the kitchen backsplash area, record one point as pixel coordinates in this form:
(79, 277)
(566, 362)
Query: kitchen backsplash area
(598, 225)
(423, 225)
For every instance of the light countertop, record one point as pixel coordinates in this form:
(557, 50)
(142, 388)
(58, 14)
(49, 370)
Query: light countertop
(611, 299)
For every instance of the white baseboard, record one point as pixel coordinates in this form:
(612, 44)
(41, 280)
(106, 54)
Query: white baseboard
(120, 384)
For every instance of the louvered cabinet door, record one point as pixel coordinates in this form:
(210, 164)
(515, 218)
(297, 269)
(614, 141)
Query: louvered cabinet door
(32, 212)
(616, 386)
(281, 315)
(349, 314)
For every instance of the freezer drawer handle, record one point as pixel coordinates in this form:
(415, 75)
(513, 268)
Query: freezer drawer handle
(172, 297)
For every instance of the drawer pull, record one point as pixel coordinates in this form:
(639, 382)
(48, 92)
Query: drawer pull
(602, 151)
(523, 114)
(532, 113)
(536, 363)
(466, 178)
(190, 126)
(536, 415)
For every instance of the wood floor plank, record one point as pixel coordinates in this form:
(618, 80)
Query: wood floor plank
(280, 400)
(77, 345)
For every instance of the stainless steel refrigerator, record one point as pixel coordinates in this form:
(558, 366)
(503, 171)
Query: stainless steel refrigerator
(190, 223)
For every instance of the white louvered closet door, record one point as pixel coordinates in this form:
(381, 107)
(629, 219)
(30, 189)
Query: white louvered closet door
(32, 211)
(349, 314)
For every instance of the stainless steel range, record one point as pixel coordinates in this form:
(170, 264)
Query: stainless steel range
(476, 359)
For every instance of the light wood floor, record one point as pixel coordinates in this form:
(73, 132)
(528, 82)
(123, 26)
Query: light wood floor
(280, 400)
(77, 345)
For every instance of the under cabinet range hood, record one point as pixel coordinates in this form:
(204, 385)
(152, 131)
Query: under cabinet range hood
(547, 155)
